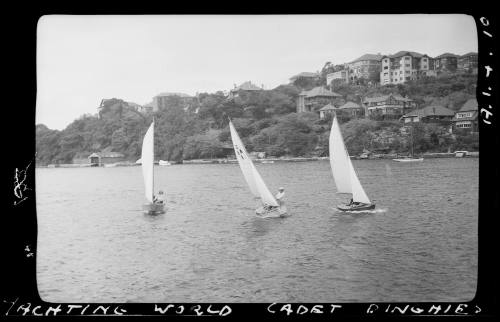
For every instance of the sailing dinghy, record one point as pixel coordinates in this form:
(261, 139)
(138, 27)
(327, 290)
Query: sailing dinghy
(147, 162)
(343, 172)
(270, 207)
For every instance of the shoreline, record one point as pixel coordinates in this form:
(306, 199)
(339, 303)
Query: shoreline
(264, 160)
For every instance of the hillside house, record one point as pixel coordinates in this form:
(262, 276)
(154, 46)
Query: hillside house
(247, 87)
(316, 98)
(466, 117)
(326, 110)
(391, 106)
(98, 158)
(351, 109)
(429, 114)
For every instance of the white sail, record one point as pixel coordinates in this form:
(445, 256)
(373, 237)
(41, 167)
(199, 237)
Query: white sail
(345, 177)
(358, 193)
(147, 161)
(339, 159)
(252, 176)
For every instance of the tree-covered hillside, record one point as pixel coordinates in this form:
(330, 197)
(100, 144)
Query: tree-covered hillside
(265, 120)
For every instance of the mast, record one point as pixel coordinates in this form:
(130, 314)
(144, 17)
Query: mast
(411, 139)
(153, 159)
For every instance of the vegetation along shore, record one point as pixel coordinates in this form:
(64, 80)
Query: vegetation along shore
(196, 128)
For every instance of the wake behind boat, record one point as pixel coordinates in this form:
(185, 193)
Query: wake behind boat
(270, 207)
(154, 206)
(343, 172)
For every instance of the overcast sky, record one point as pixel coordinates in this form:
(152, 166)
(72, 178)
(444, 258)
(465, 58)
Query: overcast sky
(83, 59)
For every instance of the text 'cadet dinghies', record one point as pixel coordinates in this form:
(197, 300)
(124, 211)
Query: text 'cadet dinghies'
(270, 207)
(343, 172)
(155, 205)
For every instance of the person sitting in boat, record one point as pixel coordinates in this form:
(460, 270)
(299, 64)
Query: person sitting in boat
(350, 202)
(158, 199)
(280, 196)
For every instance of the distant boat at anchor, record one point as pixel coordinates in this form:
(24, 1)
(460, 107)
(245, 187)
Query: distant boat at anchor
(161, 162)
(411, 157)
(344, 175)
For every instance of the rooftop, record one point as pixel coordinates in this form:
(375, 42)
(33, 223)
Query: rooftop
(368, 57)
(304, 74)
(247, 86)
(406, 53)
(350, 105)
(172, 94)
(319, 91)
(469, 54)
(470, 105)
(328, 107)
(432, 110)
(385, 98)
(446, 55)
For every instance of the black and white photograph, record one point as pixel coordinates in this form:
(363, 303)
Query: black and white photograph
(257, 158)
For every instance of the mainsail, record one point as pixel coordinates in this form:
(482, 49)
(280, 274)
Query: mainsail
(345, 177)
(252, 176)
(147, 160)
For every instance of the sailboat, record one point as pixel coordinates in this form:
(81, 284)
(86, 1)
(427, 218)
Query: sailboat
(410, 158)
(343, 172)
(147, 162)
(271, 207)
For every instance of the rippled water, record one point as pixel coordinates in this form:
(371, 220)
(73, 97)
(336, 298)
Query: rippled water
(96, 245)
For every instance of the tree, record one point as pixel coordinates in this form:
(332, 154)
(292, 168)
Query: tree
(119, 140)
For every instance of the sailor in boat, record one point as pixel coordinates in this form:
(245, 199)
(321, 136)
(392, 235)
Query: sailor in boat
(353, 203)
(279, 198)
(160, 198)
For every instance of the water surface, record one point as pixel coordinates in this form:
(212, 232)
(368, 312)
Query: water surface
(96, 245)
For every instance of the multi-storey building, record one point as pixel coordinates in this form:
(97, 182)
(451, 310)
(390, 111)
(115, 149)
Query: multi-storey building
(467, 63)
(341, 75)
(365, 67)
(391, 106)
(446, 62)
(163, 100)
(405, 66)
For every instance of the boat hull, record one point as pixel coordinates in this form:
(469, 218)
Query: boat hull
(154, 208)
(362, 207)
(409, 160)
(275, 212)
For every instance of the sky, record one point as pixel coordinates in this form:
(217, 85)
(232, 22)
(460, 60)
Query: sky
(83, 59)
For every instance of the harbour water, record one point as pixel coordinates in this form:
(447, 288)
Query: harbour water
(420, 244)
